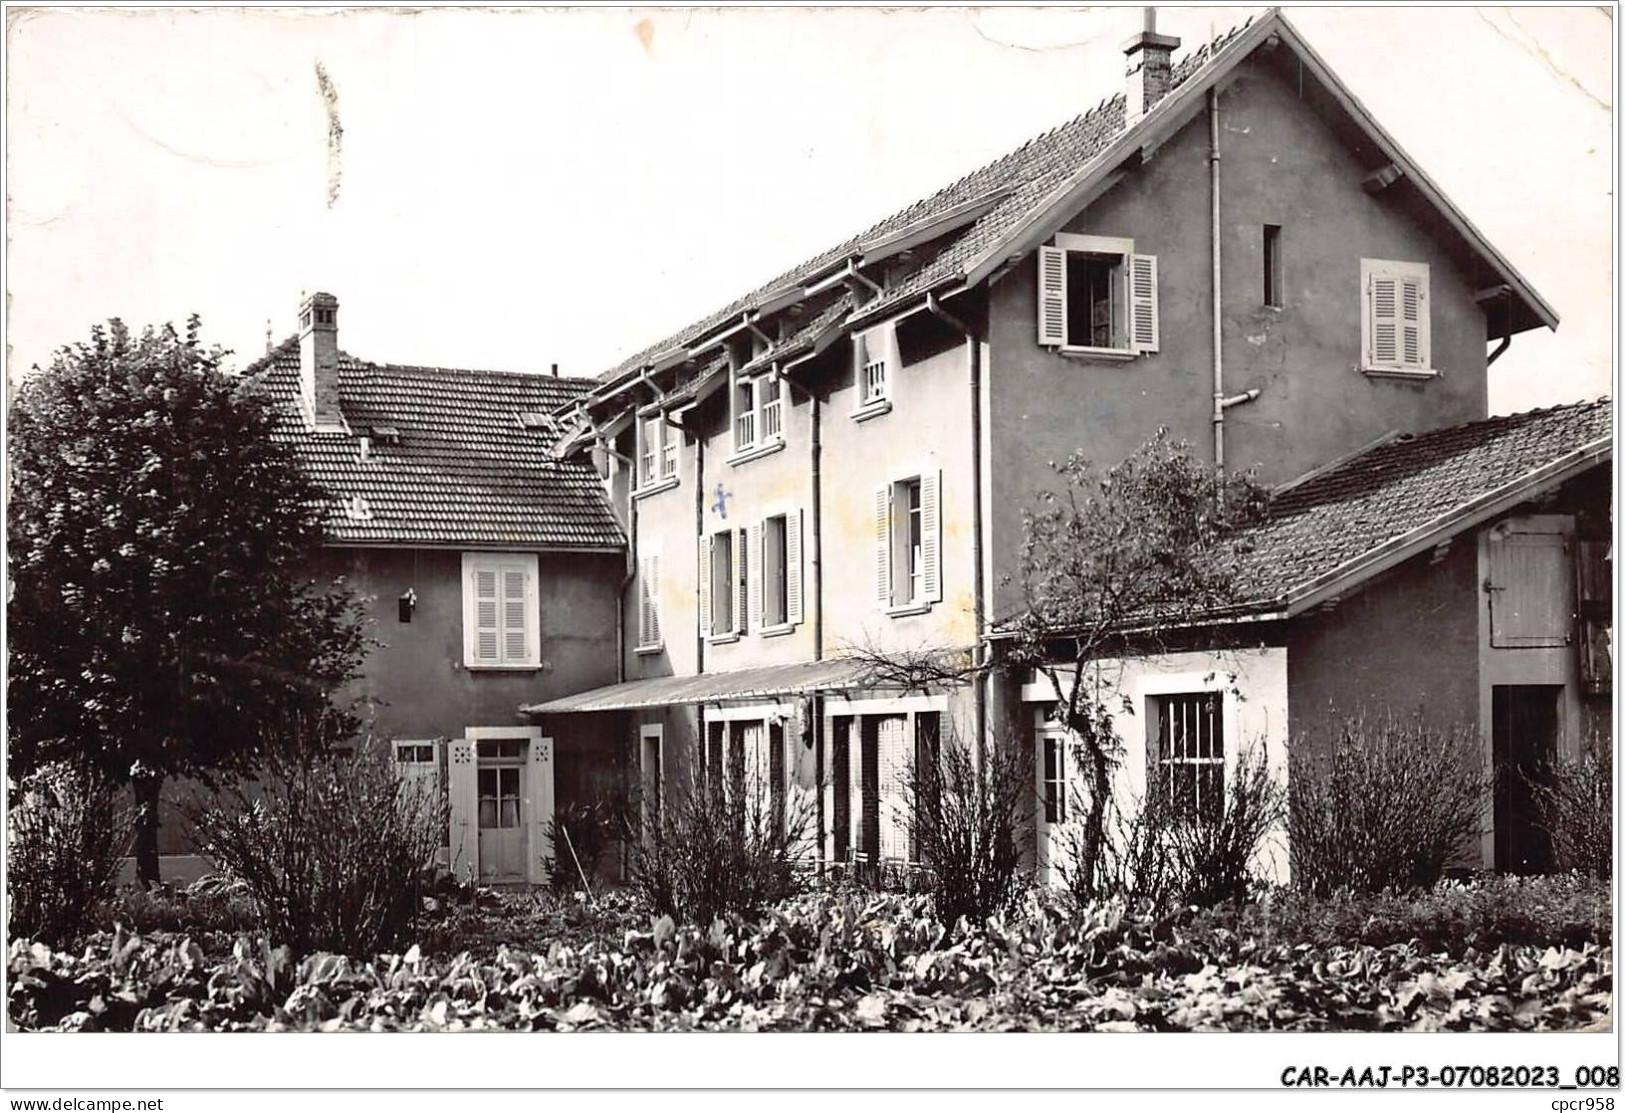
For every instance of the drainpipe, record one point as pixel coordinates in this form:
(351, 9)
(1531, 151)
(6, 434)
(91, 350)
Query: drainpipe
(1218, 275)
(699, 533)
(1506, 335)
(978, 588)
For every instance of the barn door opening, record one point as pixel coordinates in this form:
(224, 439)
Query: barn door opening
(1525, 723)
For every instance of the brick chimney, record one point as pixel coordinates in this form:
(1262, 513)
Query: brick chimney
(319, 360)
(1150, 67)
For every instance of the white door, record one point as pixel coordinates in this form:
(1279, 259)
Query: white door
(1052, 761)
(502, 820)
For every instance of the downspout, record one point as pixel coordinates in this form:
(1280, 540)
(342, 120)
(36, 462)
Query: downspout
(978, 588)
(815, 702)
(631, 563)
(700, 567)
(1218, 275)
(1506, 335)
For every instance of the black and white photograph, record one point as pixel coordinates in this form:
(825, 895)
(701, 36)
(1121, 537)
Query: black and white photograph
(1089, 522)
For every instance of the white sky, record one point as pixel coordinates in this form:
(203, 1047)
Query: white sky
(569, 186)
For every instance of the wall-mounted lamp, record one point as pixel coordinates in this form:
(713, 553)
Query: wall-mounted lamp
(407, 603)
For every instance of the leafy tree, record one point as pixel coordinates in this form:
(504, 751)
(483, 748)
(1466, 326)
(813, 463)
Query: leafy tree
(1128, 553)
(160, 620)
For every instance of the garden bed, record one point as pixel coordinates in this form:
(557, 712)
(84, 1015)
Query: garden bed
(856, 960)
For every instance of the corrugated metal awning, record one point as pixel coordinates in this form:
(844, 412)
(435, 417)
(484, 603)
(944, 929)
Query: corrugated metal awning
(802, 678)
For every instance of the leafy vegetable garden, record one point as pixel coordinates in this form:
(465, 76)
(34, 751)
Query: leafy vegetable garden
(1499, 954)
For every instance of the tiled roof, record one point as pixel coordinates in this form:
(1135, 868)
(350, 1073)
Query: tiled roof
(1405, 486)
(1027, 177)
(465, 469)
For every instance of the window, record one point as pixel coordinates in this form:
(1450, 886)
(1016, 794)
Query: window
(649, 636)
(874, 357)
(1096, 296)
(908, 542)
(414, 753)
(758, 409)
(500, 613)
(1054, 783)
(649, 740)
(1272, 266)
(499, 796)
(1186, 755)
(723, 589)
(779, 571)
(657, 452)
(1396, 333)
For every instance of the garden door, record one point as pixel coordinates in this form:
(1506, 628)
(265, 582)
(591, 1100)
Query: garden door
(502, 822)
(1525, 726)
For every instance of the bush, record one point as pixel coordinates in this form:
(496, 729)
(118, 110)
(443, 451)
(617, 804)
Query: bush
(1156, 859)
(1575, 806)
(335, 850)
(1393, 803)
(581, 833)
(65, 835)
(969, 824)
(210, 904)
(715, 851)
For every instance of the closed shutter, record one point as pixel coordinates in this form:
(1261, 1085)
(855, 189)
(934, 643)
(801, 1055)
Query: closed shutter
(1413, 321)
(883, 544)
(649, 600)
(486, 626)
(793, 609)
(1144, 330)
(741, 580)
(515, 611)
(894, 761)
(705, 586)
(931, 537)
(1051, 296)
(1384, 321)
(1531, 590)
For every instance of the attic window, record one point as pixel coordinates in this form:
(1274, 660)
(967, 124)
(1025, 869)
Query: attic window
(386, 434)
(531, 419)
(357, 509)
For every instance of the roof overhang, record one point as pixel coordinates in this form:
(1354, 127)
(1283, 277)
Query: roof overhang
(804, 678)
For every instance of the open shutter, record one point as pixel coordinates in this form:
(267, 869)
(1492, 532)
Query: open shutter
(742, 579)
(515, 611)
(463, 799)
(1384, 313)
(1144, 330)
(883, 544)
(931, 537)
(486, 632)
(1051, 296)
(1413, 320)
(757, 581)
(705, 586)
(654, 599)
(793, 609)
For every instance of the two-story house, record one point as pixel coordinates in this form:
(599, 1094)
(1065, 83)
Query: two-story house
(489, 570)
(835, 464)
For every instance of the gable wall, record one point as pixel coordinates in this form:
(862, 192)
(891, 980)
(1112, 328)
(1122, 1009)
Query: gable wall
(1280, 165)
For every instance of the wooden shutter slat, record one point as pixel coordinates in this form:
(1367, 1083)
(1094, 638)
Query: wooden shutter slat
(1144, 327)
(883, 544)
(1051, 296)
(931, 536)
(706, 573)
(742, 579)
(793, 609)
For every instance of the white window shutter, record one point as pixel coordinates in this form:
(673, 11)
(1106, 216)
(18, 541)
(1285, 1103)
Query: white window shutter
(706, 572)
(860, 357)
(931, 536)
(515, 613)
(742, 580)
(1413, 321)
(643, 601)
(1144, 328)
(793, 609)
(1384, 321)
(486, 633)
(883, 544)
(654, 599)
(1051, 296)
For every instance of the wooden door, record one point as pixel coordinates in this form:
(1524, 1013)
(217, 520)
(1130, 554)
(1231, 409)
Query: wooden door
(502, 821)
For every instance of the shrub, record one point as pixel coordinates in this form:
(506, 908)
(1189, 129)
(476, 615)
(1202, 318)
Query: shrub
(581, 833)
(1575, 807)
(1157, 858)
(1390, 806)
(335, 850)
(210, 904)
(969, 824)
(65, 835)
(715, 851)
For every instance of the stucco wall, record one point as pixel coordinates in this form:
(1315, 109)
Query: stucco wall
(1280, 165)
(1254, 684)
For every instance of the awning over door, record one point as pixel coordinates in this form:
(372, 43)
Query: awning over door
(800, 679)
